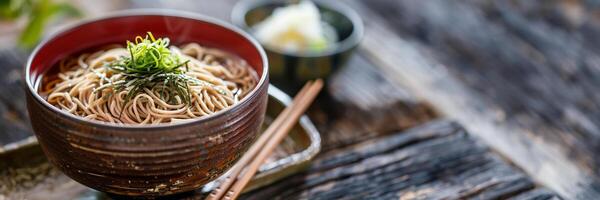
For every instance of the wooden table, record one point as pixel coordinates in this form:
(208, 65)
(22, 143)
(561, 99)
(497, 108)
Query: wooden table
(445, 99)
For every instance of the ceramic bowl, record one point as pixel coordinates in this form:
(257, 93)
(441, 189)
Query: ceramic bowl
(146, 160)
(290, 70)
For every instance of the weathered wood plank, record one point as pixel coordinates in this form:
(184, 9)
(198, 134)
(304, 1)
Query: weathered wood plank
(361, 103)
(508, 78)
(438, 160)
(14, 124)
(536, 194)
(355, 120)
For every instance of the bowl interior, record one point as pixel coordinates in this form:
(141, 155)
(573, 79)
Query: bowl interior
(179, 28)
(118, 29)
(344, 20)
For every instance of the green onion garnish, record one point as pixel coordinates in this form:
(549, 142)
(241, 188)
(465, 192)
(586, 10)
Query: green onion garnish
(150, 64)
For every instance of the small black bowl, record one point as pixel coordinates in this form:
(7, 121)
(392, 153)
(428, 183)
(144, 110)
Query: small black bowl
(290, 70)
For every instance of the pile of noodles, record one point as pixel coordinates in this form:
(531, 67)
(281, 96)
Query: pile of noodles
(80, 87)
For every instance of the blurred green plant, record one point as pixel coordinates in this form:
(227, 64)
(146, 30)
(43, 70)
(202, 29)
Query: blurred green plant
(40, 12)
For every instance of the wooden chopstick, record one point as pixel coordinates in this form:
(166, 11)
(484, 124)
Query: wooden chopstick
(218, 192)
(260, 143)
(278, 136)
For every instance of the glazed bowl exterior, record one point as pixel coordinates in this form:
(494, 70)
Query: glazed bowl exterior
(290, 70)
(146, 160)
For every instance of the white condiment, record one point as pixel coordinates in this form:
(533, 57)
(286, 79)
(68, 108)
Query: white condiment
(297, 27)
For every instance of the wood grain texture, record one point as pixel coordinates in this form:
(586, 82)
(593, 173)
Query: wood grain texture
(14, 124)
(361, 103)
(512, 73)
(523, 57)
(440, 50)
(438, 160)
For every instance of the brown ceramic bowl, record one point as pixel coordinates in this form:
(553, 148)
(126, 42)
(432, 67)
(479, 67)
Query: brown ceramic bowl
(148, 160)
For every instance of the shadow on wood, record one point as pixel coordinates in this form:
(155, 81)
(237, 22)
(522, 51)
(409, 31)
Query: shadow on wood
(438, 160)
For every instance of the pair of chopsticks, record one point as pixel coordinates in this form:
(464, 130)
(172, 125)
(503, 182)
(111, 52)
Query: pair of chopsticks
(238, 178)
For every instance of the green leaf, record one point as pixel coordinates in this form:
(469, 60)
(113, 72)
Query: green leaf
(66, 10)
(43, 11)
(33, 31)
(12, 9)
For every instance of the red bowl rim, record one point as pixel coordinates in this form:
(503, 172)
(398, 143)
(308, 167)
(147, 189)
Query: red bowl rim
(157, 12)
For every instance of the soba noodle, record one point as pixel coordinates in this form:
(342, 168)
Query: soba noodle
(81, 87)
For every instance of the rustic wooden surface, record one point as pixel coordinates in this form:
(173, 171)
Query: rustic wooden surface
(438, 160)
(519, 75)
(14, 124)
(361, 103)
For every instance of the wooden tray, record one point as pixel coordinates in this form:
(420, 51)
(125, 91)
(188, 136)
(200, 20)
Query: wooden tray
(26, 174)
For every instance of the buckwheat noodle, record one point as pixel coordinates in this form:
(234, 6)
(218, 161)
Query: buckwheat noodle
(81, 87)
